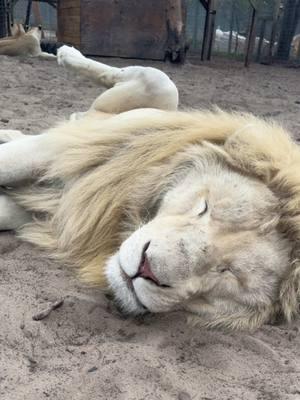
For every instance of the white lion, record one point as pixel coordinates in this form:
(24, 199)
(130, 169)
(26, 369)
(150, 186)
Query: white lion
(195, 211)
(26, 44)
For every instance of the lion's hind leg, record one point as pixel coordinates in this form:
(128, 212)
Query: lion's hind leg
(12, 216)
(22, 157)
(128, 88)
(7, 135)
(46, 56)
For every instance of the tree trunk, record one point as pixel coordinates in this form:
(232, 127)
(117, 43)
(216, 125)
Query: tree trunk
(288, 27)
(176, 46)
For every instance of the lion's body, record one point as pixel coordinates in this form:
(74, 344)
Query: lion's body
(25, 44)
(117, 193)
(16, 31)
(114, 168)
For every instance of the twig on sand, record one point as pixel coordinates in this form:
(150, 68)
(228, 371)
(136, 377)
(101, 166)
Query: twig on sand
(44, 313)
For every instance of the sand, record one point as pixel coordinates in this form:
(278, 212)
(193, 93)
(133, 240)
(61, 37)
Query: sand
(84, 350)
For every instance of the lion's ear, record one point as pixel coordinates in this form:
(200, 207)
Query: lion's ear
(289, 295)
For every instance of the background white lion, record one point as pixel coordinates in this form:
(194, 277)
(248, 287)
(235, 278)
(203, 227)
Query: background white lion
(183, 210)
(25, 44)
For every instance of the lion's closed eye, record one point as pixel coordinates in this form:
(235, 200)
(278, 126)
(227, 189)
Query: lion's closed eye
(202, 208)
(223, 268)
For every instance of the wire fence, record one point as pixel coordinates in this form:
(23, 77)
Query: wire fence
(276, 29)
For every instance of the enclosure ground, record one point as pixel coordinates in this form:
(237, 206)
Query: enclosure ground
(84, 349)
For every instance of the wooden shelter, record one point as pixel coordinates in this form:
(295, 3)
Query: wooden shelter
(149, 29)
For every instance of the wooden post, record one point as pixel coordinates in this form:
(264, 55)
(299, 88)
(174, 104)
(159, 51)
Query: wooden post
(195, 30)
(211, 32)
(276, 17)
(205, 32)
(12, 11)
(175, 26)
(231, 27)
(208, 30)
(261, 39)
(28, 12)
(37, 13)
(250, 37)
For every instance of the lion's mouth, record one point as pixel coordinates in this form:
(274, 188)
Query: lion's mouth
(145, 271)
(146, 274)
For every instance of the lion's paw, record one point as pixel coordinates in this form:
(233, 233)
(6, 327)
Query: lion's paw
(7, 135)
(67, 55)
(77, 115)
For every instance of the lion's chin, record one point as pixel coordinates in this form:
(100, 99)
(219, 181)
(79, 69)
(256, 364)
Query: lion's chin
(122, 288)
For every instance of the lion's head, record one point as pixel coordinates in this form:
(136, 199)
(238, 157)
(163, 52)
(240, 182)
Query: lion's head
(211, 247)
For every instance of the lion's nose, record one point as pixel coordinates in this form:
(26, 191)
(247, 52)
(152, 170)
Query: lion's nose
(144, 270)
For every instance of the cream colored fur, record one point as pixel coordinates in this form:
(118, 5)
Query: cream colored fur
(128, 88)
(210, 198)
(16, 31)
(26, 44)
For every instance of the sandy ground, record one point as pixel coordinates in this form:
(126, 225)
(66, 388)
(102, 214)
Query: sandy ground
(85, 350)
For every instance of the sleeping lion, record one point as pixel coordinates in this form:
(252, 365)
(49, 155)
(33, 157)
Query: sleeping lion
(195, 211)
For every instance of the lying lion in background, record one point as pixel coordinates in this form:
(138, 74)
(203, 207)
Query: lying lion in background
(194, 211)
(26, 44)
(16, 31)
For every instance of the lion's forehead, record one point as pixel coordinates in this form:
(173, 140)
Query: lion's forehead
(231, 196)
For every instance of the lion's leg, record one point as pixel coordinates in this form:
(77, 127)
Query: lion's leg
(7, 135)
(12, 216)
(128, 88)
(46, 56)
(22, 159)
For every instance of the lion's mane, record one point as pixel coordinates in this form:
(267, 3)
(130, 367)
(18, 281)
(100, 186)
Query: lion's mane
(111, 171)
